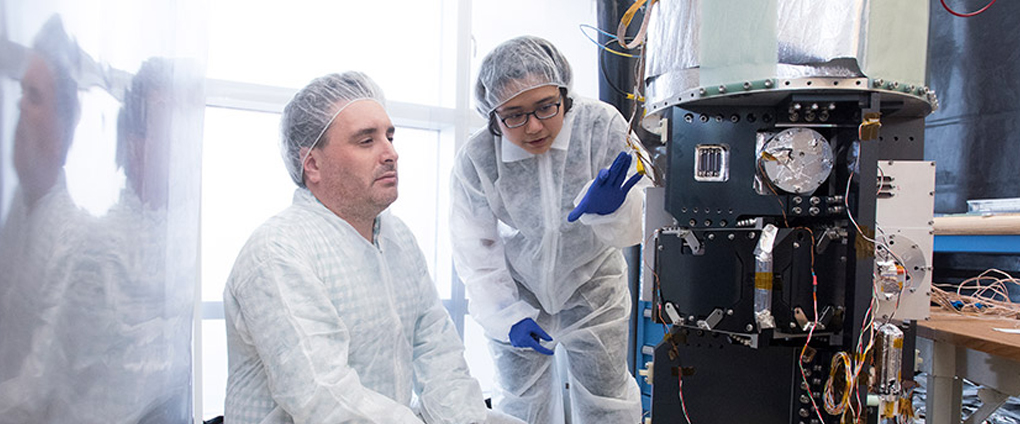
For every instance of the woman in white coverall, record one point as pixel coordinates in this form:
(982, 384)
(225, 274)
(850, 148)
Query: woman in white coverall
(534, 273)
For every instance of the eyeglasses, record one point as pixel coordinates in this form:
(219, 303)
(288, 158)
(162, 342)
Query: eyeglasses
(543, 112)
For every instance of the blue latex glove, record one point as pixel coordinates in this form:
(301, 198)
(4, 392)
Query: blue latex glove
(526, 333)
(605, 195)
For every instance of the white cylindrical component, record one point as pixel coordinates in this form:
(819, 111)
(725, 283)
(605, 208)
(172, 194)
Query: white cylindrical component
(888, 361)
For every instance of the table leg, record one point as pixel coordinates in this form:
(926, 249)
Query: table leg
(945, 390)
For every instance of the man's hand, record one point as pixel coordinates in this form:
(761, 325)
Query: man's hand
(526, 333)
(605, 195)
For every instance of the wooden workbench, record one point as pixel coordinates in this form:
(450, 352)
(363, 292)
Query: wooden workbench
(954, 347)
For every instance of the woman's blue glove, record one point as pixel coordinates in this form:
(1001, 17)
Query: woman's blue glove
(605, 195)
(526, 334)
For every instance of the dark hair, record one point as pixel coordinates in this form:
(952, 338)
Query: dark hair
(568, 102)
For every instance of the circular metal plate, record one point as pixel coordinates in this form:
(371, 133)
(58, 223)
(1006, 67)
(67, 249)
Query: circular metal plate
(797, 160)
(910, 256)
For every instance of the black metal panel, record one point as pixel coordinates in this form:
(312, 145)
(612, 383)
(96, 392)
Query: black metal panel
(723, 278)
(698, 284)
(730, 383)
(710, 204)
(694, 203)
(901, 140)
(973, 65)
(713, 288)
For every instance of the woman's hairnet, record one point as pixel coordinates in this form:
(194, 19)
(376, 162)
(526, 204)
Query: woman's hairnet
(518, 65)
(311, 111)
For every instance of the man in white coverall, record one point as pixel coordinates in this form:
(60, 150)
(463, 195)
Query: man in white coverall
(331, 314)
(534, 273)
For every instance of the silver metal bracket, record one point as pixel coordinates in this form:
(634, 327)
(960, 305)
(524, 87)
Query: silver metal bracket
(712, 320)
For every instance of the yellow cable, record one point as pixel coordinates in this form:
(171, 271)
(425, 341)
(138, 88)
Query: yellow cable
(621, 30)
(631, 11)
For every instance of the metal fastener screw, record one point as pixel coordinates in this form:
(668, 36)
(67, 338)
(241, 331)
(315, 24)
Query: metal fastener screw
(722, 89)
(747, 85)
(749, 327)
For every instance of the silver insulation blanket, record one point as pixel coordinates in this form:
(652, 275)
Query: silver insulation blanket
(694, 43)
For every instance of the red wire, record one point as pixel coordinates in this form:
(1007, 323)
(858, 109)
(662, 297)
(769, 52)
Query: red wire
(683, 404)
(967, 15)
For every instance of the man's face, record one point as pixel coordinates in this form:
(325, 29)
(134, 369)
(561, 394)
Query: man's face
(536, 135)
(38, 145)
(358, 165)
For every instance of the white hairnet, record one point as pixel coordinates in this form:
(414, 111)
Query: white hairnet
(518, 65)
(308, 115)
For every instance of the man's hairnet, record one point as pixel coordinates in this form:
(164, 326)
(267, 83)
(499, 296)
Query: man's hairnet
(313, 109)
(518, 65)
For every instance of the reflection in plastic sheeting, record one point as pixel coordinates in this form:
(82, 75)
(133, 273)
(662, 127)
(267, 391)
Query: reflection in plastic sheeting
(96, 308)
